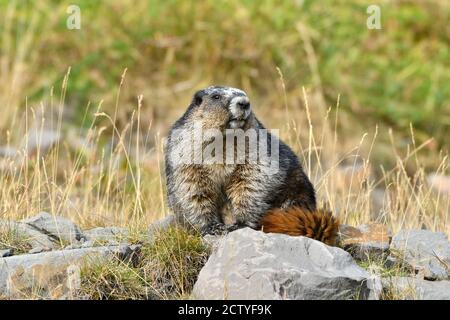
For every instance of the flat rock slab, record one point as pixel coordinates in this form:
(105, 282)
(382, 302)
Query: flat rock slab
(249, 264)
(426, 251)
(50, 274)
(56, 227)
(28, 234)
(407, 288)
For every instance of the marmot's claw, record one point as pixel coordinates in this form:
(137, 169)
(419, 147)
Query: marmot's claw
(215, 229)
(235, 226)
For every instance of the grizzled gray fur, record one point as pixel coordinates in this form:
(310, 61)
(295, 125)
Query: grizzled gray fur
(219, 197)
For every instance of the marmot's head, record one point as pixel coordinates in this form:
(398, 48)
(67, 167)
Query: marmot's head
(221, 107)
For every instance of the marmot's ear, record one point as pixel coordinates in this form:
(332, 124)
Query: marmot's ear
(198, 97)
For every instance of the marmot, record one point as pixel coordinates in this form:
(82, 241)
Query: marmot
(203, 193)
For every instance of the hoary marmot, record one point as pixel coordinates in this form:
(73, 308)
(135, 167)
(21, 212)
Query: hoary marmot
(205, 188)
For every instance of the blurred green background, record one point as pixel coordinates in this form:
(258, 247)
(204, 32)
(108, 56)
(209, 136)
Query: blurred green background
(394, 76)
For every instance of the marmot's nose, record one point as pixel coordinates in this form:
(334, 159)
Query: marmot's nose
(243, 104)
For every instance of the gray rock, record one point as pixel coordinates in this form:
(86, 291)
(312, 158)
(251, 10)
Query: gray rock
(407, 288)
(249, 264)
(439, 183)
(47, 274)
(6, 253)
(105, 234)
(38, 250)
(73, 246)
(161, 225)
(40, 140)
(426, 251)
(59, 228)
(87, 244)
(112, 243)
(8, 152)
(212, 240)
(28, 234)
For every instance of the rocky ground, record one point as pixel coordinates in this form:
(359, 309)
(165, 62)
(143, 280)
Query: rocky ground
(50, 251)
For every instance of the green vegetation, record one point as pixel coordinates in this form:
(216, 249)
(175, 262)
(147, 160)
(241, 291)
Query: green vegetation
(167, 269)
(10, 238)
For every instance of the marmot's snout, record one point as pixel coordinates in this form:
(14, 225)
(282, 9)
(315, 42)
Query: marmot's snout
(240, 111)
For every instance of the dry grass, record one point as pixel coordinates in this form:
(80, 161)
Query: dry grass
(167, 269)
(117, 179)
(10, 238)
(392, 292)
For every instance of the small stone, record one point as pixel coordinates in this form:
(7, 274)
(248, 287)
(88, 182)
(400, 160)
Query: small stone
(57, 227)
(426, 251)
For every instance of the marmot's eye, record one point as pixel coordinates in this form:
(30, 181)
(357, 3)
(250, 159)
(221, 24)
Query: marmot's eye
(216, 96)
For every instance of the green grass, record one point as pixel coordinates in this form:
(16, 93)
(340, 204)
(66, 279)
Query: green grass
(113, 280)
(395, 76)
(12, 239)
(378, 267)
(167, 269)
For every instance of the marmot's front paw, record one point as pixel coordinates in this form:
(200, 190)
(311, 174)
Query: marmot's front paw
(215, 228)
(236, 226)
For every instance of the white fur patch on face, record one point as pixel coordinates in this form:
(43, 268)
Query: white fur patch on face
(236, 111)
(236, 124)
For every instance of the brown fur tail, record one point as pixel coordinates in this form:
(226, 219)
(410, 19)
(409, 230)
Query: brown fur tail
(319, 225)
